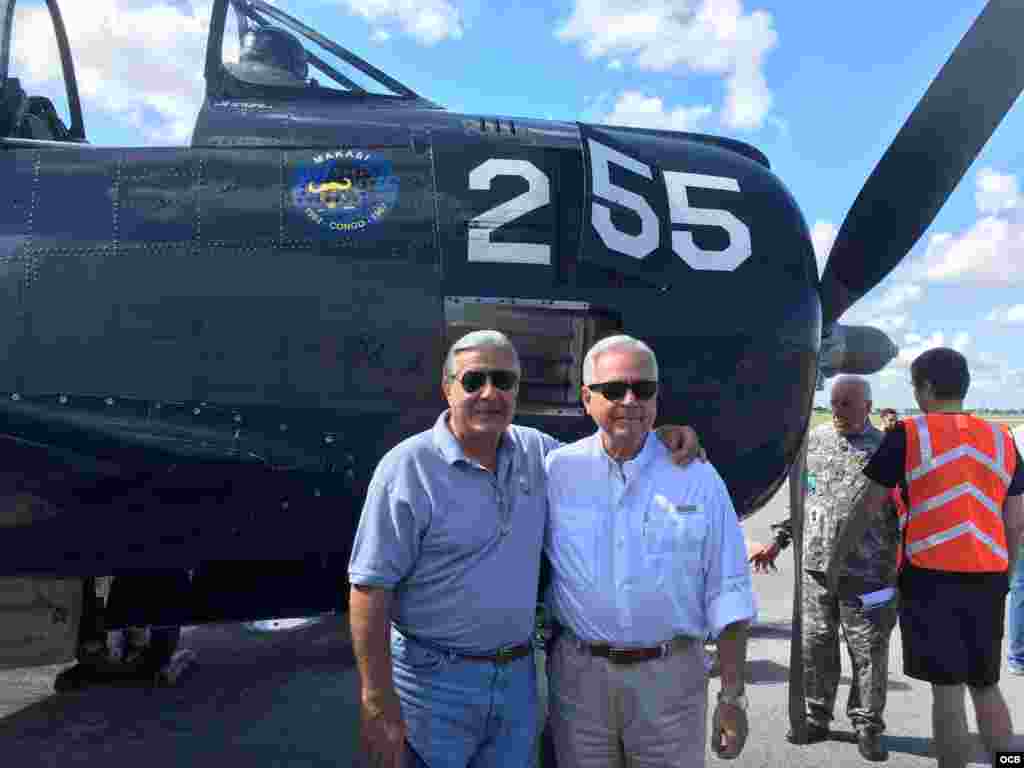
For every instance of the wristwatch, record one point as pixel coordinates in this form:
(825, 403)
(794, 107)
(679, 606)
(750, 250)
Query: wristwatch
(734, 696)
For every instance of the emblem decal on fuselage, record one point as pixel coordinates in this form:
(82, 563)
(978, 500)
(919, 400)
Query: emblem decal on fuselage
(345, 190)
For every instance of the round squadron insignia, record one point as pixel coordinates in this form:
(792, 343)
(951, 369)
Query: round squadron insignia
(345, 190)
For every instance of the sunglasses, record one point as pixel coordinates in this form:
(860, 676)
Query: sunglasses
(471, 381)
(616, 390)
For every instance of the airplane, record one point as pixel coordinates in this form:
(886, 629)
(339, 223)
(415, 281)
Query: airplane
(208, 348)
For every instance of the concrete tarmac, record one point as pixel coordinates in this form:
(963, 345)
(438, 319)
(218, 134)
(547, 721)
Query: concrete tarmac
(290, 699)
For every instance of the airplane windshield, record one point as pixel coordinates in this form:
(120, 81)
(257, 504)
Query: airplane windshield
(264, 45)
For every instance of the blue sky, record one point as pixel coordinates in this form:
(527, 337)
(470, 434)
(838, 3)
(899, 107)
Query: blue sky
(820, 88)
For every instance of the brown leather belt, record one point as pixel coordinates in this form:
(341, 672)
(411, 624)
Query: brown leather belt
(504, 655)
(633, 655)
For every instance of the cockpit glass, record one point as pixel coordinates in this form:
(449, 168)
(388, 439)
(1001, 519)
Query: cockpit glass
(271, 45)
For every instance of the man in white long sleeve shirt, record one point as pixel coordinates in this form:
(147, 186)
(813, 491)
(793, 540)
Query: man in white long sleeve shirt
(647, 560)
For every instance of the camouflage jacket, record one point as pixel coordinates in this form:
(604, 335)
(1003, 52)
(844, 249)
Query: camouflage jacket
(834, 479)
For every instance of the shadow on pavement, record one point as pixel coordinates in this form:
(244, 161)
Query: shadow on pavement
(275, 695)
(916, 745)
(765, 671)
(907, 745)
(771, 629)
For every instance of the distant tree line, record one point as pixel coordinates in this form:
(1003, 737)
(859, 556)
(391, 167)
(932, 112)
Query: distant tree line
(902, 411)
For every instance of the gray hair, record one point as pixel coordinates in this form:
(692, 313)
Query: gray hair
(615, 342)
(478, 340)
(865, 385)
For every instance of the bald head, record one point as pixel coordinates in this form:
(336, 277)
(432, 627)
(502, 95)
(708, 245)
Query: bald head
(851, 404)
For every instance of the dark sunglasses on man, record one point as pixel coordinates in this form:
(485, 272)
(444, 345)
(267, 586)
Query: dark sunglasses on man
(616, 390)
(471, 381)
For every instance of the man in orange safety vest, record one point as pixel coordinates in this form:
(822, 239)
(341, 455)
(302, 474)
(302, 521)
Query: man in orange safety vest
(962, 479)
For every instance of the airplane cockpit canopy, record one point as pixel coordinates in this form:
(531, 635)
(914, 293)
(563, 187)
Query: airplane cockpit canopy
(261, 46)
(273, 57)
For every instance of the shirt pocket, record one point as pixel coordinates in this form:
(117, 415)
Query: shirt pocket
(676, 532)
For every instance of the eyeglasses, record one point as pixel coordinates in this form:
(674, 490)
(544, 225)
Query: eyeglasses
(616, 390)
(471, 381)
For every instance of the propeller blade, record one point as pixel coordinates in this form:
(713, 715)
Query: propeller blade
(957, 115)
(797, 700)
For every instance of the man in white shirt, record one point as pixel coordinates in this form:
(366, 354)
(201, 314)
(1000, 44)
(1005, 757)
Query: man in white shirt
(647, 560)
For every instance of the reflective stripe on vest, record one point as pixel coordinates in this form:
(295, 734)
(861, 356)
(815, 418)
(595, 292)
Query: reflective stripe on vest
(956, 493)
(930, 462)
(901, 515)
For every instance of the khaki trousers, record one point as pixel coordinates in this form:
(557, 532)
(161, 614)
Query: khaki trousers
(651, 714)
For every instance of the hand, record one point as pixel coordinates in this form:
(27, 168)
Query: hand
(682, 442)
(382, 731)
(763, 558)
(729, 730)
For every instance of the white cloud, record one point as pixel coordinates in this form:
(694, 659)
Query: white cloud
(638, 111)
(889, 323)
(989, 375)
(898, 295)
(996, 192)
(988, 252)
(1007, 315)
(615, 65)
(141, 64)
(914, 344)
(823, 235)
(427, 21)
(380, 36)
(888, 312)
(703, 36)
(995, 375)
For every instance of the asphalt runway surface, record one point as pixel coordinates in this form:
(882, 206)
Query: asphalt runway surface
(289, 698)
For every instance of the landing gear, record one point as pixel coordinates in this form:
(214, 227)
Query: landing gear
(148, 656)
(131, 656)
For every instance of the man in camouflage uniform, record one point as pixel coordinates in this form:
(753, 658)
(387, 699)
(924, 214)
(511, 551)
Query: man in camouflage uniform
(836, 453)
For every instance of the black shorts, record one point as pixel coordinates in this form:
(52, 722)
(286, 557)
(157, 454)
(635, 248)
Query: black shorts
(952, 625)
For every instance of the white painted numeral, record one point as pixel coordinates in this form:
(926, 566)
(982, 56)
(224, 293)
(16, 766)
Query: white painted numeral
(480, 228)
(682, 212)
(640, 245)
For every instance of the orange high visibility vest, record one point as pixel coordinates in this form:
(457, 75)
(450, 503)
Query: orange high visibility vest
(958, 470)
(896, 496)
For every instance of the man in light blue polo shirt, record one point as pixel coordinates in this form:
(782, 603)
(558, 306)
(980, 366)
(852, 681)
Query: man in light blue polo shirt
(444, 575)
(647, 560)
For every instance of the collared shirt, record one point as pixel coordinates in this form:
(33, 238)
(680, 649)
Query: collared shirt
(459, 545)
(643, 551)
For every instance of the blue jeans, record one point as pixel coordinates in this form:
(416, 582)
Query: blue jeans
(1015, 657)
(461, 713)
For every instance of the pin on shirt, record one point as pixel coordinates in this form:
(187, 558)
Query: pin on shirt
(678, 509)
(670, 508)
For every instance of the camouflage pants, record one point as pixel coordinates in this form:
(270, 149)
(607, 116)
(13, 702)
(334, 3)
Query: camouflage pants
(867, 640)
